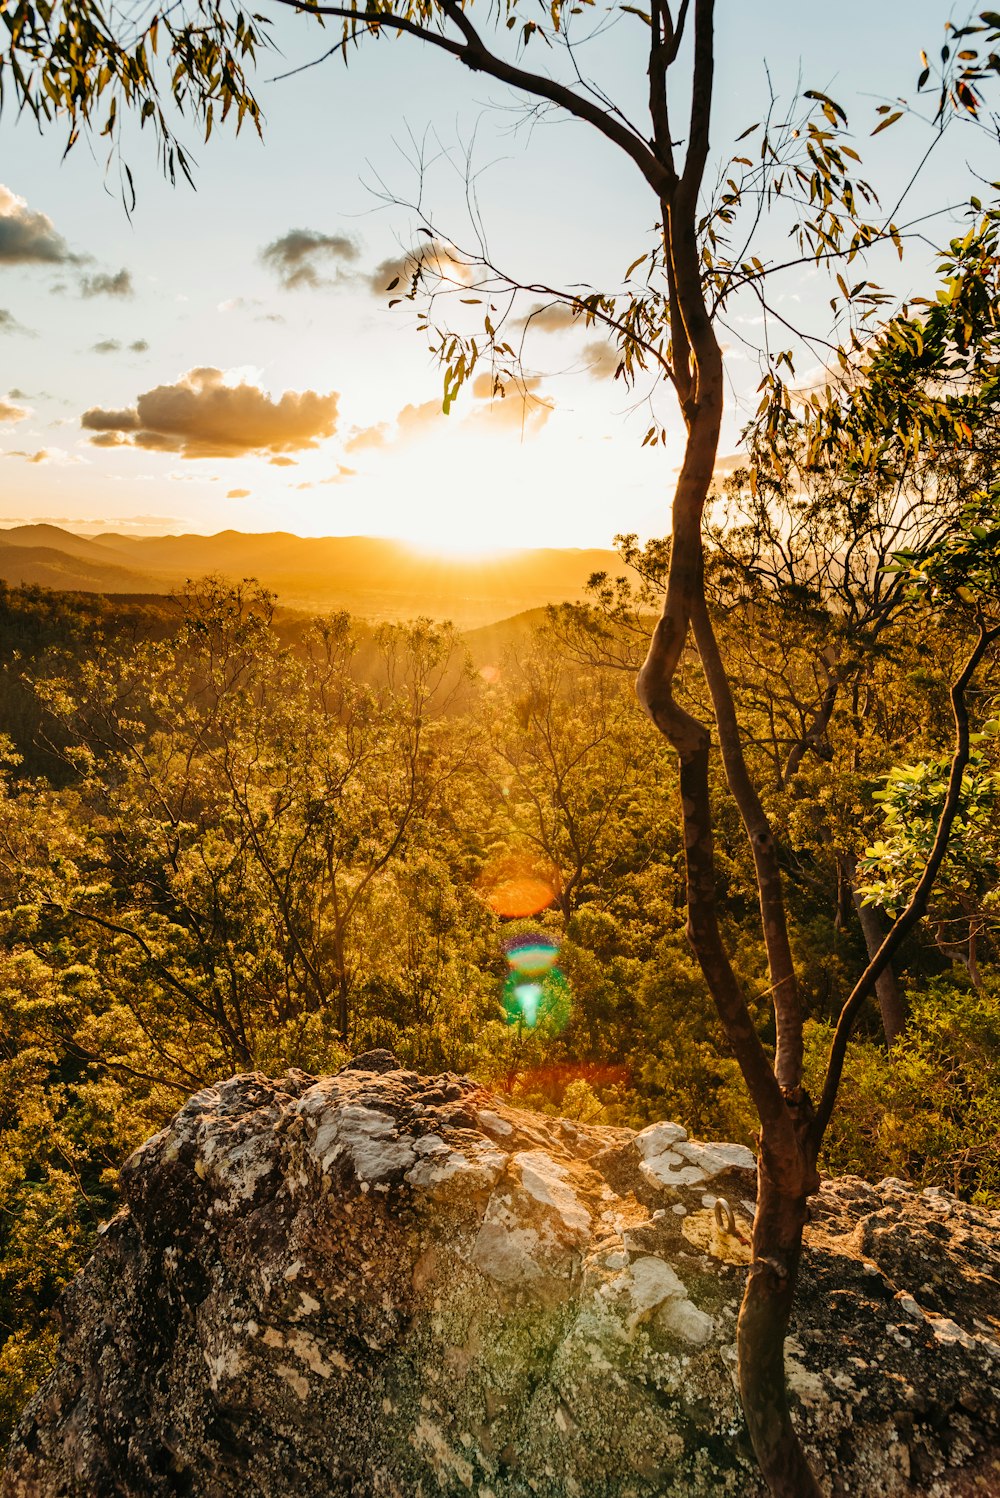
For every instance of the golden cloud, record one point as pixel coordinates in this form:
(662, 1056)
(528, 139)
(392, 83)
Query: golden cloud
(601, 358)
(10, 412)
(51, 455)
(433, 258)
(204, 415)
(550, 317)
(363, 438)
(521, 410)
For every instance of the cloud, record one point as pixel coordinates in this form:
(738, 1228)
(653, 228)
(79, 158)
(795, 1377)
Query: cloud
(10, 324)
(237, 493)
(341, 476)
(10, 412)
(297, 255)
(28, 238)
(112, 346)
(432, 257)
(103, 283)
(551, 317)
(207, 415)
(601, 358)
(54, 455)
(521, 410)
(363, 438)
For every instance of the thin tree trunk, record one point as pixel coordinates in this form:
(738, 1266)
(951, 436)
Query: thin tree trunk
(761, 1331)
(890, 1000)
(972, 961)
(342, 1010)
(786, 1169)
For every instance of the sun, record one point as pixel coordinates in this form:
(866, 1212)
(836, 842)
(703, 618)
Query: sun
(468, 532)
(460, 548)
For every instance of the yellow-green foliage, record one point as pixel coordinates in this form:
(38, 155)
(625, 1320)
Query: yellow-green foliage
(929, 1110)
(248, 848)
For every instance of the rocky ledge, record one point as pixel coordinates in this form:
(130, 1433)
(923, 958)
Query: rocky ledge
(380, 1283)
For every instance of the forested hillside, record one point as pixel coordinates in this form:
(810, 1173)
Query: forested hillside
(231, 840)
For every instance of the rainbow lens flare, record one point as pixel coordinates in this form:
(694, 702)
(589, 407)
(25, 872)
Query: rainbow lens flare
(526, 997)
(536, 992)
(532, 954)
(517, 885)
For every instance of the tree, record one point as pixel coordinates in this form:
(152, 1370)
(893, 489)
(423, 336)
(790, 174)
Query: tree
(819, 632)
(239, 806)
(568, 767)
(72, 60)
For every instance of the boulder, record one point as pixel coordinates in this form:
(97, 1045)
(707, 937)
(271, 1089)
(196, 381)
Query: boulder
(395, 1286)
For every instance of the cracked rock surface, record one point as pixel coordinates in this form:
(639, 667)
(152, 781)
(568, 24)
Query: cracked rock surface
(380, 1283)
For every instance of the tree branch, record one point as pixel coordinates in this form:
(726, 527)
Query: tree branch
(473, 53)
(781, 968)
(917, 906)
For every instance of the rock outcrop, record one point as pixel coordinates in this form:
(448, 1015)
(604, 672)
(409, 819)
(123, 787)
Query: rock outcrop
(392, 1285)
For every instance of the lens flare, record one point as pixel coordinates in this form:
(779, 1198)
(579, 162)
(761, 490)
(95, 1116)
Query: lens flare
(527, 997)
(532, 954)
(540, 1002)
(516, 886)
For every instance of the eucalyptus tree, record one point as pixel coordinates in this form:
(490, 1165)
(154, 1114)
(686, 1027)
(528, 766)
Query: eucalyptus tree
(77, 61)
(821, 633)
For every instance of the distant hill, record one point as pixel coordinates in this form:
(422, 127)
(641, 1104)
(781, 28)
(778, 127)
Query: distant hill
(54, 538)
(490, 643)
(23, 564)
(374, 578)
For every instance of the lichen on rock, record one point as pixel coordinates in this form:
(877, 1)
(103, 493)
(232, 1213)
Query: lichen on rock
(385, 1284)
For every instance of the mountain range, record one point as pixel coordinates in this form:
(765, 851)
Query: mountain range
(375, 578)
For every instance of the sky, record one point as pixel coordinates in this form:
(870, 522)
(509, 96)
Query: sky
(226, 358)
